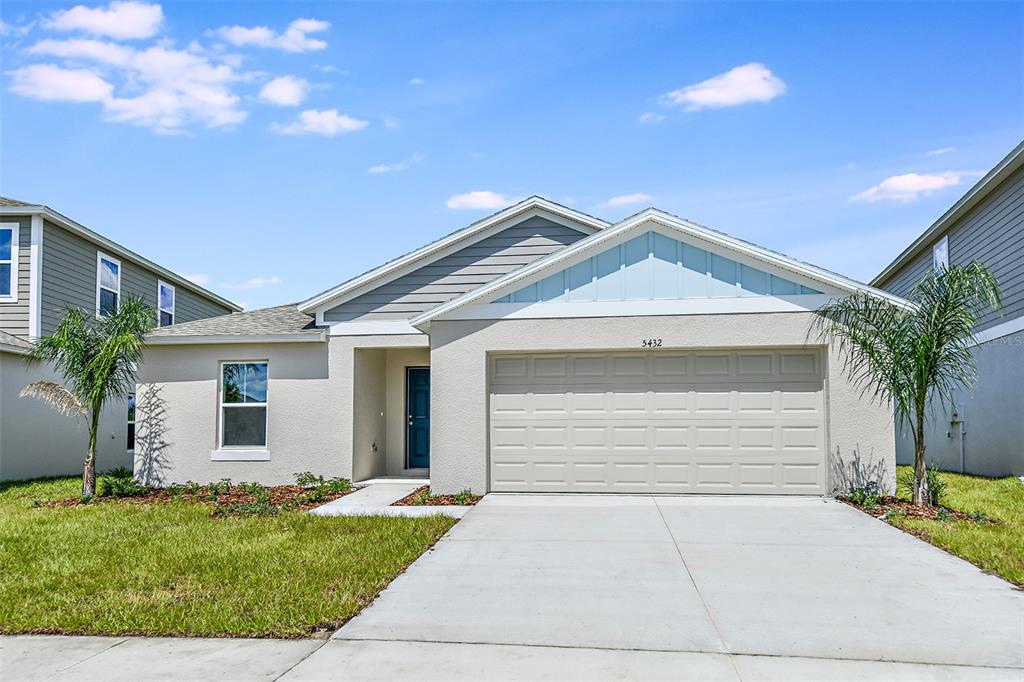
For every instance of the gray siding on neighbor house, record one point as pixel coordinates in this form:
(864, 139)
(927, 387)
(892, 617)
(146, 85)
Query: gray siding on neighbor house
(14, 316)
(991, 232)
(69, 281)
(459, 272)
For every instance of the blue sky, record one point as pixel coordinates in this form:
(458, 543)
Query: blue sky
(272, 150)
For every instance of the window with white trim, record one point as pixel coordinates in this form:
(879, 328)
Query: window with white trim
(131, 422)
(165, 301)
(940, 255)
(243, 405)
(9, 262)
(108, 284)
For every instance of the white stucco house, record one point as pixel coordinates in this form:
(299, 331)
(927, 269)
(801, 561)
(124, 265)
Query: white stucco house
(539, 349)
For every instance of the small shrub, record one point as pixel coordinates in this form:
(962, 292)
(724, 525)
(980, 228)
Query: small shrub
(979, 517)
(893, 514)
(866, 495)
(86, 499)
(120, 483)
(254, 489)
(307, 479)
(337, 486)
(421, 499)
(175, 490)
(464, 497)
(943, 515)
(936, 486)
(192, 488)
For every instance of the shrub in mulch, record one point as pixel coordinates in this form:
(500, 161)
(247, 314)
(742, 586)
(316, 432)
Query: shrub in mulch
(226, 499)
(421, 497)
(888, 507)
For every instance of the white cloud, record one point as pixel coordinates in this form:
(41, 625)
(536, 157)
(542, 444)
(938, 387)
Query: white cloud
(327, 122)
(12, 30)
(52, 83)
(910, 187)
(396, 167)
(417, 81)
(252, 283)
(285, 91)
(752, 82)
(120, 20)
(480, 199)
(199, 278)
(627, 199)
(651, 117)
(295, 38)
(390, 121)
(160, 88)
(940, 152)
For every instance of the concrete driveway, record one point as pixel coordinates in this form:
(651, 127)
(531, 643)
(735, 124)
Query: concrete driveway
(721, 586)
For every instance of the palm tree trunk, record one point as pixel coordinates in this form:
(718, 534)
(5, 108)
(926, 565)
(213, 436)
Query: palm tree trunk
(920, 474)
(89, 469)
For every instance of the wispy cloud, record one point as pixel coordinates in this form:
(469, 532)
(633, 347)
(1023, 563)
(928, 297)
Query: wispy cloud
(285, 91)
(480, 199)
(295, 38)
(199, 278)
(627, 199)
(752, 82)
(651, 117)
(910, 187)
(942, 151)
(417, 81)
(13, 30)
(405, 164)
(252, 283)
(390, 121)
(119, 20)
(52, 83)
(326, 122)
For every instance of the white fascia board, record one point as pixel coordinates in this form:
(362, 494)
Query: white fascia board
(653, 219)
(528, 208)
(115, 249)
(373, 328)
(1000, 330)
(234, 338)
(645, 308)
(1009, 164)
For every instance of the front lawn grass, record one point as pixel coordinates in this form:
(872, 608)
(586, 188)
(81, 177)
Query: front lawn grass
(996, 547)
(120, 568)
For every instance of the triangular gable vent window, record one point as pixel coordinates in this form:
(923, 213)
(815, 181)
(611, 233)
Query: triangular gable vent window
(655, 267)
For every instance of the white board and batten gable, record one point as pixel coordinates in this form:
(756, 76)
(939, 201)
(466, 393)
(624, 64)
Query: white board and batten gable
(653, 264)
(414, 262)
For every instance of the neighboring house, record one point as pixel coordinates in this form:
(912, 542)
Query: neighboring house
(983, 433)
(539, 349)
(49, 263)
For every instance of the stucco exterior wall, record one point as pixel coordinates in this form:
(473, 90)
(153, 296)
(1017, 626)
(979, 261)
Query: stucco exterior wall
(314, 405)
(35, 440)
(993, 440)
(459, 393)
(369, 443)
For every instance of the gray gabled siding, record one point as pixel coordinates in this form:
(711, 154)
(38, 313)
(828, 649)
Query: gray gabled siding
(993, 233)
(457, 273)
(14, 316)
(69, 281)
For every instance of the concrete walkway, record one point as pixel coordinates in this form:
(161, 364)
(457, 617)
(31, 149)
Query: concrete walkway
(590, 587)
(375, 498)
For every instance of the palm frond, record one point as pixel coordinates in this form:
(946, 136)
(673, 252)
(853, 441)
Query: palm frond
(58, 396)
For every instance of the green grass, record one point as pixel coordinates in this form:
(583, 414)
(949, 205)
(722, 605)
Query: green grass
(994, 547)
(170, 569)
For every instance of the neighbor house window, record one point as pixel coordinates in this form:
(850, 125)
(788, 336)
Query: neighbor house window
(940, 255)
(131, 422)
(9, 262)
(165, 297)
(108, 284)
(243, 405)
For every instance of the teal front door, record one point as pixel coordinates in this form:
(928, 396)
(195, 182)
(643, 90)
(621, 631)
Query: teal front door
(417, 434)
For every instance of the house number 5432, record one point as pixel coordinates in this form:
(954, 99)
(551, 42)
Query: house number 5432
(650, 343)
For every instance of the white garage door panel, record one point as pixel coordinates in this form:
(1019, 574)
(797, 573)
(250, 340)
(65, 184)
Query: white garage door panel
(721, 422)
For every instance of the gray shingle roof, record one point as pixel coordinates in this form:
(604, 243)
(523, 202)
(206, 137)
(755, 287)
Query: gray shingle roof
(282, 319)
(16, 341)
(7, 201)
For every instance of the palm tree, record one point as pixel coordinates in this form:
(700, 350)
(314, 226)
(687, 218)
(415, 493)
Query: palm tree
(97, 358)
(907, 356)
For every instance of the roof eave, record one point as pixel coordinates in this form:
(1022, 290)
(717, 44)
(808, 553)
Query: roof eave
(116, 249)
(1009, 164)
(170, 340)
(312, 304)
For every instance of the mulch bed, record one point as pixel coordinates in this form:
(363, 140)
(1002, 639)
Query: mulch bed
(421, 497)
(279, 496)
(891, 505)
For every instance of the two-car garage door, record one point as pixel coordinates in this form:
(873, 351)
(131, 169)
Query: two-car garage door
(744, 421)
